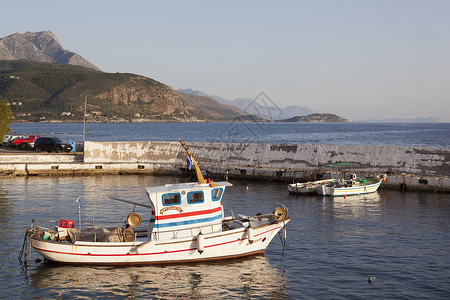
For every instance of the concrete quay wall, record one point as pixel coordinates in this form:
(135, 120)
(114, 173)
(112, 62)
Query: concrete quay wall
(414, 168)
(306, 157)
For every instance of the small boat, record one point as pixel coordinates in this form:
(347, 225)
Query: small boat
(350, 187)
(187, 225)
(307, 188)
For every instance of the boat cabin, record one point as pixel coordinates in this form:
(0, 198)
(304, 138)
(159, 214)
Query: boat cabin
(186, 209)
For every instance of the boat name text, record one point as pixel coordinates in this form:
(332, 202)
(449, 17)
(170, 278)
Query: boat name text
(170, 208)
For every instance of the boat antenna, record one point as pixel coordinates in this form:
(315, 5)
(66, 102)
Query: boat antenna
(84, 119)
(198, 172)
(93, 213)
(79, 212)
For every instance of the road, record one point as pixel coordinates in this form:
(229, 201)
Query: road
(28, 151)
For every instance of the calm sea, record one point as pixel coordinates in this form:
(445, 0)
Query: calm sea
(435, 135)
(333, 245)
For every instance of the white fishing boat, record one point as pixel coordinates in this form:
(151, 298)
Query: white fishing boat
(307, 188)
(350, 187)
(188, 225)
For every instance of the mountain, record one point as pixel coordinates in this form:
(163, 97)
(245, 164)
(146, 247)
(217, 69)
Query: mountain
(39, 46)
(316, 118)
(192, 92)
(55, 92)
(265, 108)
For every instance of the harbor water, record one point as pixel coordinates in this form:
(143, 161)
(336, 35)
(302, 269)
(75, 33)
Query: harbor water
(400, 240)
(434, 135)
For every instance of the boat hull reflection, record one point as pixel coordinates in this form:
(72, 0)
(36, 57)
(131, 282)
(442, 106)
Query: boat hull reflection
(235, 278)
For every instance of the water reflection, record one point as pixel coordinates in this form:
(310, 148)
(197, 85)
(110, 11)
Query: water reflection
(5, 207)
(356, 206)
(249, 278)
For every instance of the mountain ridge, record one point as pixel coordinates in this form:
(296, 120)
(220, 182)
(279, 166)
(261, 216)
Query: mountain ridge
(42, 46)
(252, 107)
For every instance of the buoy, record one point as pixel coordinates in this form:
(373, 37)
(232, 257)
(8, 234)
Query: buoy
(345, 196)
(134, 219)
(128, 235)
(250, 234)
(200, 243)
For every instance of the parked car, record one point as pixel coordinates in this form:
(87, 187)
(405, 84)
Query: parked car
(22, 142)
(50, 144)
(8, 140)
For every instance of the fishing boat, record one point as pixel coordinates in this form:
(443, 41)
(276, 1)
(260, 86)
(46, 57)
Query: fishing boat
(350, 187)
(307, 188)
(188, 224)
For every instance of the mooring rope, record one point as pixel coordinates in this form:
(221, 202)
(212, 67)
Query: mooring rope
(24, 251)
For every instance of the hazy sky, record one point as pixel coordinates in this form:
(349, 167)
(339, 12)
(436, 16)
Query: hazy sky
(358, 59)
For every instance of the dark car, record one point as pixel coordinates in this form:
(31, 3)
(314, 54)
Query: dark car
(51, 144)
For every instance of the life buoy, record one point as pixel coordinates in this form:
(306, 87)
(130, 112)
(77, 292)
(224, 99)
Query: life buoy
(280, 214)
(134, 219)
(128, 235)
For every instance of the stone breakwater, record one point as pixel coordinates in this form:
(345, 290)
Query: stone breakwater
(407, 167)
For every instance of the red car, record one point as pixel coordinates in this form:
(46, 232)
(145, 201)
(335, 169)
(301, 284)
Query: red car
(22, 143)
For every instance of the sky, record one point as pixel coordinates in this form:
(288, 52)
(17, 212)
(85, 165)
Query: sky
(358, 59)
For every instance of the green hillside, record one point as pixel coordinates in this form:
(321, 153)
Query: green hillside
(56, 92)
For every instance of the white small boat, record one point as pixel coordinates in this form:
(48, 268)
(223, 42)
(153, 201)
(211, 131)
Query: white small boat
(188, 225)
(351, 187)
(307, 188)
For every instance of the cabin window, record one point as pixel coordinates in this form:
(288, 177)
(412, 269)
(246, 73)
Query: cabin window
(216, 194)
(195, 197)
(171, 199)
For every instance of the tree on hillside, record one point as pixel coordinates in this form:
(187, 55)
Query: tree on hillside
(6, 117)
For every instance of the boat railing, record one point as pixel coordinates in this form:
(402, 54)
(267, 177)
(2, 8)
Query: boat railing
(44, 229)
(185, 232)
(226, 224)
(106, 237)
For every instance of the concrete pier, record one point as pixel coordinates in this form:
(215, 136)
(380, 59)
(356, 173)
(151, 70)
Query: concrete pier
(411, 168)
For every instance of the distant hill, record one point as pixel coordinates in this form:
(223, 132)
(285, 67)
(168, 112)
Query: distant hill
(415, 120)
(272, 112)
(41, 47)
(55, 92)
(316, 118)
(264, 110)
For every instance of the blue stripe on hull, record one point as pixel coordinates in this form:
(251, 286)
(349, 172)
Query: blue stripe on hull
(181, 223)
(348, 191)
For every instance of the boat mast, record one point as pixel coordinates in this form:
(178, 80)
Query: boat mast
(200, 178)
